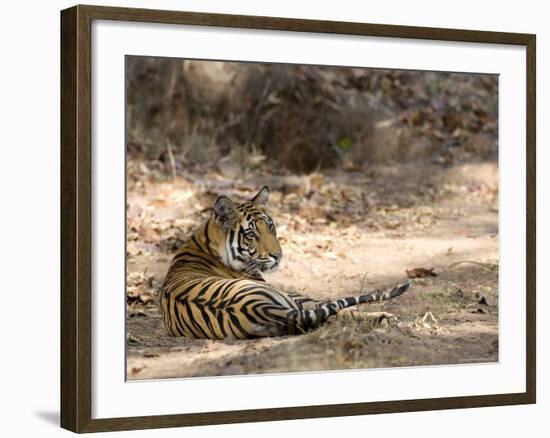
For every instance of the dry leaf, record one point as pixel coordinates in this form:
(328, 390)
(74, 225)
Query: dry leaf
(421, 273)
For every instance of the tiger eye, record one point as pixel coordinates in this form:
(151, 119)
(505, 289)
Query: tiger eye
(250, 235)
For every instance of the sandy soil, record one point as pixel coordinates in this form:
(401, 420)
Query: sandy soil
(341, 233)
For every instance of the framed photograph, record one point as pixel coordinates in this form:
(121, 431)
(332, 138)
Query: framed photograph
(268, 218)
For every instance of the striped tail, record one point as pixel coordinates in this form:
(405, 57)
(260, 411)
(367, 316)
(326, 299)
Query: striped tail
(301, 321)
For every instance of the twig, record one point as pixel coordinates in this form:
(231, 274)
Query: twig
(431, 316)
(172, 159)
(363, 283)
(487, 266)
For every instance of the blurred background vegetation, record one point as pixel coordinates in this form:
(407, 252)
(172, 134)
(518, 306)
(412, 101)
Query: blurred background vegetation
(301, 118)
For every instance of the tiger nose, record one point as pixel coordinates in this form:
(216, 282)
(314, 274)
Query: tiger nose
(277, 256)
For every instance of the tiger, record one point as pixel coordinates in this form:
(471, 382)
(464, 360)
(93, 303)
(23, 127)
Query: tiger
(214, 288)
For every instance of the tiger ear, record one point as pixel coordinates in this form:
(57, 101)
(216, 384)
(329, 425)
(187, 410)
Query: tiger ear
(224, 212)
(262, 196)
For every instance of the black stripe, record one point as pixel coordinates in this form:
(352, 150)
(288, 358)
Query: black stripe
(191, 259)
(184, 325)
(207, 321)
(220, 319)
(255, 290)
(195, 241)
(182, 294)
(257, 308)
(267, 309)
(235, 321)
(193, 321)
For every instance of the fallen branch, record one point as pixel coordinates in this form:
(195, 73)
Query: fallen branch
(487, 266)
(172, 159)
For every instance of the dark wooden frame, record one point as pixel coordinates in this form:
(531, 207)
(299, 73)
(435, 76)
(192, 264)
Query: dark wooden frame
(76, 168)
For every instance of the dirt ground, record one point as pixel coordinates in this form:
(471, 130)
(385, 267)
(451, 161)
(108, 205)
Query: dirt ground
(342, 233)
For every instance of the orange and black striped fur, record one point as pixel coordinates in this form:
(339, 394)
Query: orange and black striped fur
(214, 288)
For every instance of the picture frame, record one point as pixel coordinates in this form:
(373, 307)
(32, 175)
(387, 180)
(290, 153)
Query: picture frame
(77, 239)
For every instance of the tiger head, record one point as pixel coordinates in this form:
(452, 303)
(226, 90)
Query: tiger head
(249, 237)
